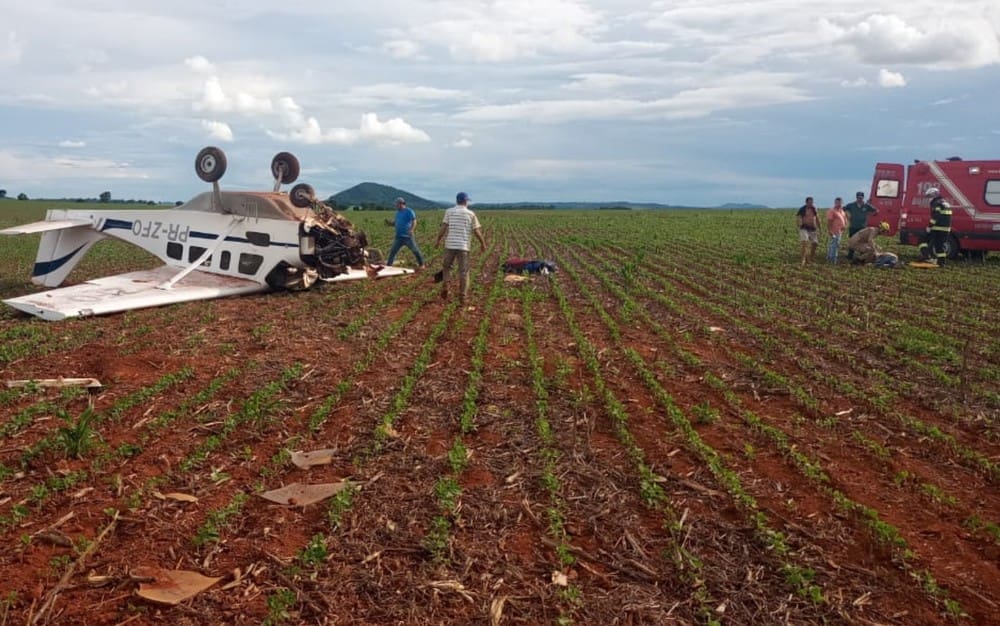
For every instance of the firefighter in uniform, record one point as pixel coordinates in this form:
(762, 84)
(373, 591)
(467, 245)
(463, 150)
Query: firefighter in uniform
(938, 229)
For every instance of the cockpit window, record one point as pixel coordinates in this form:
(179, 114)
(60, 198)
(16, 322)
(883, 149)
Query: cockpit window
(250, 263)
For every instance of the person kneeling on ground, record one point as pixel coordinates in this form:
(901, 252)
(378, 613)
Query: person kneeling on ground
(863, 246)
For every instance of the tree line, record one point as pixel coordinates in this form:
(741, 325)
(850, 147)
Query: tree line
(105, 196)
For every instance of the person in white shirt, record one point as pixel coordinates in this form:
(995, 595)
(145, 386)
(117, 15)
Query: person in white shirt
(457, 228)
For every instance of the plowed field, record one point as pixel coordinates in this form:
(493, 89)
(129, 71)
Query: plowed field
(682, 425)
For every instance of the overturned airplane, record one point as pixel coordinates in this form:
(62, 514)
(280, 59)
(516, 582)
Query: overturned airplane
(219, 243)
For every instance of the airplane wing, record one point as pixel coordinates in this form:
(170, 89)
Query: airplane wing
(383, 271)
(134, 290)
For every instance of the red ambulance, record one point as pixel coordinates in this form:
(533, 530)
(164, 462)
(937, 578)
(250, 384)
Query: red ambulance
(972, 188)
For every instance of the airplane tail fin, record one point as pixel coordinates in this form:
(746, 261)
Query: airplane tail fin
(64, 242)
(61, 250)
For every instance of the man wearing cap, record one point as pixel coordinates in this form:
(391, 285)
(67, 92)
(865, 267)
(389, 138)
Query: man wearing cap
(857, 212)
(457, 228)
(406, 221)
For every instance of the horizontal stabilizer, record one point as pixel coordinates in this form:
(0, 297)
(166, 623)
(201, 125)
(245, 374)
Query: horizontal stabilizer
(134, 290)
(41, 227)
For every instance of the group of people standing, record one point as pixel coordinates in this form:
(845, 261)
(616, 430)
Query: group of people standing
(458, 227)
(862, 246)
(853, 217)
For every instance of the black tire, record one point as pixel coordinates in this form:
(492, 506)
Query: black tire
(210, 164)
(951, 247)
(285, 168)
(301, 195)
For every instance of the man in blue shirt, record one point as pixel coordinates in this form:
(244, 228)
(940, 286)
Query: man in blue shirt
(406, 221)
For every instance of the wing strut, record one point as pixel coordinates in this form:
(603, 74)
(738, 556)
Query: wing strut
(204, 256)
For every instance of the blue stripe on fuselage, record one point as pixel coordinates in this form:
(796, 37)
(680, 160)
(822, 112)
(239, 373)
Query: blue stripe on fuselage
(46, 267)
(127, 225)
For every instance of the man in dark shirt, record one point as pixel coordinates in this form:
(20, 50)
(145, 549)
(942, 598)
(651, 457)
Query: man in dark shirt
(807, 220)
(857, 213)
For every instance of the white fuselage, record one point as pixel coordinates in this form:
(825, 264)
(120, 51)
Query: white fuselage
(240, 246)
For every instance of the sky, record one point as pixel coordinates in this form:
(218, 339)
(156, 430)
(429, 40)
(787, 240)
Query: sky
(683, 102)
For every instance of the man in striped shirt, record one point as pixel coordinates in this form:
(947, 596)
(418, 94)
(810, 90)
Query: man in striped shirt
(457, 228)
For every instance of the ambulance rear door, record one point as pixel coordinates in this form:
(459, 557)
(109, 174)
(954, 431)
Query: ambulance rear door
(887, 194)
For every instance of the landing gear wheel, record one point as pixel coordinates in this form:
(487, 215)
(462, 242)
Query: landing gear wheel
(285, 168)
(301, 195)
(210, 164)
(951, 248)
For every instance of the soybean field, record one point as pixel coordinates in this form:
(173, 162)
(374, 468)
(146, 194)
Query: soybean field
(680, 425)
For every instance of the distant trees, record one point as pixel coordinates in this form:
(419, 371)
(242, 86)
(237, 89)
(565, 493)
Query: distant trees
(104, 197)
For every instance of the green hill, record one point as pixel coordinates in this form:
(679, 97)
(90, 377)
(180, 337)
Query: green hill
(384, 196)
(376, 195)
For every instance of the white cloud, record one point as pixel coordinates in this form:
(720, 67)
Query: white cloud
(24, 168)
(248, 103)
(400, 94)
(890, 79)
(69, 143)
(495, 32)
(307, 129)
(218, 130)
(394, 130)
(913, 32)
(109, 90)
(215, 100)
(401, 49)
(733, 92)
(738, 32)
(116, 169)
(607, 80)
(649, 73)
(943, 42)
(11, 49)
(200, 64)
